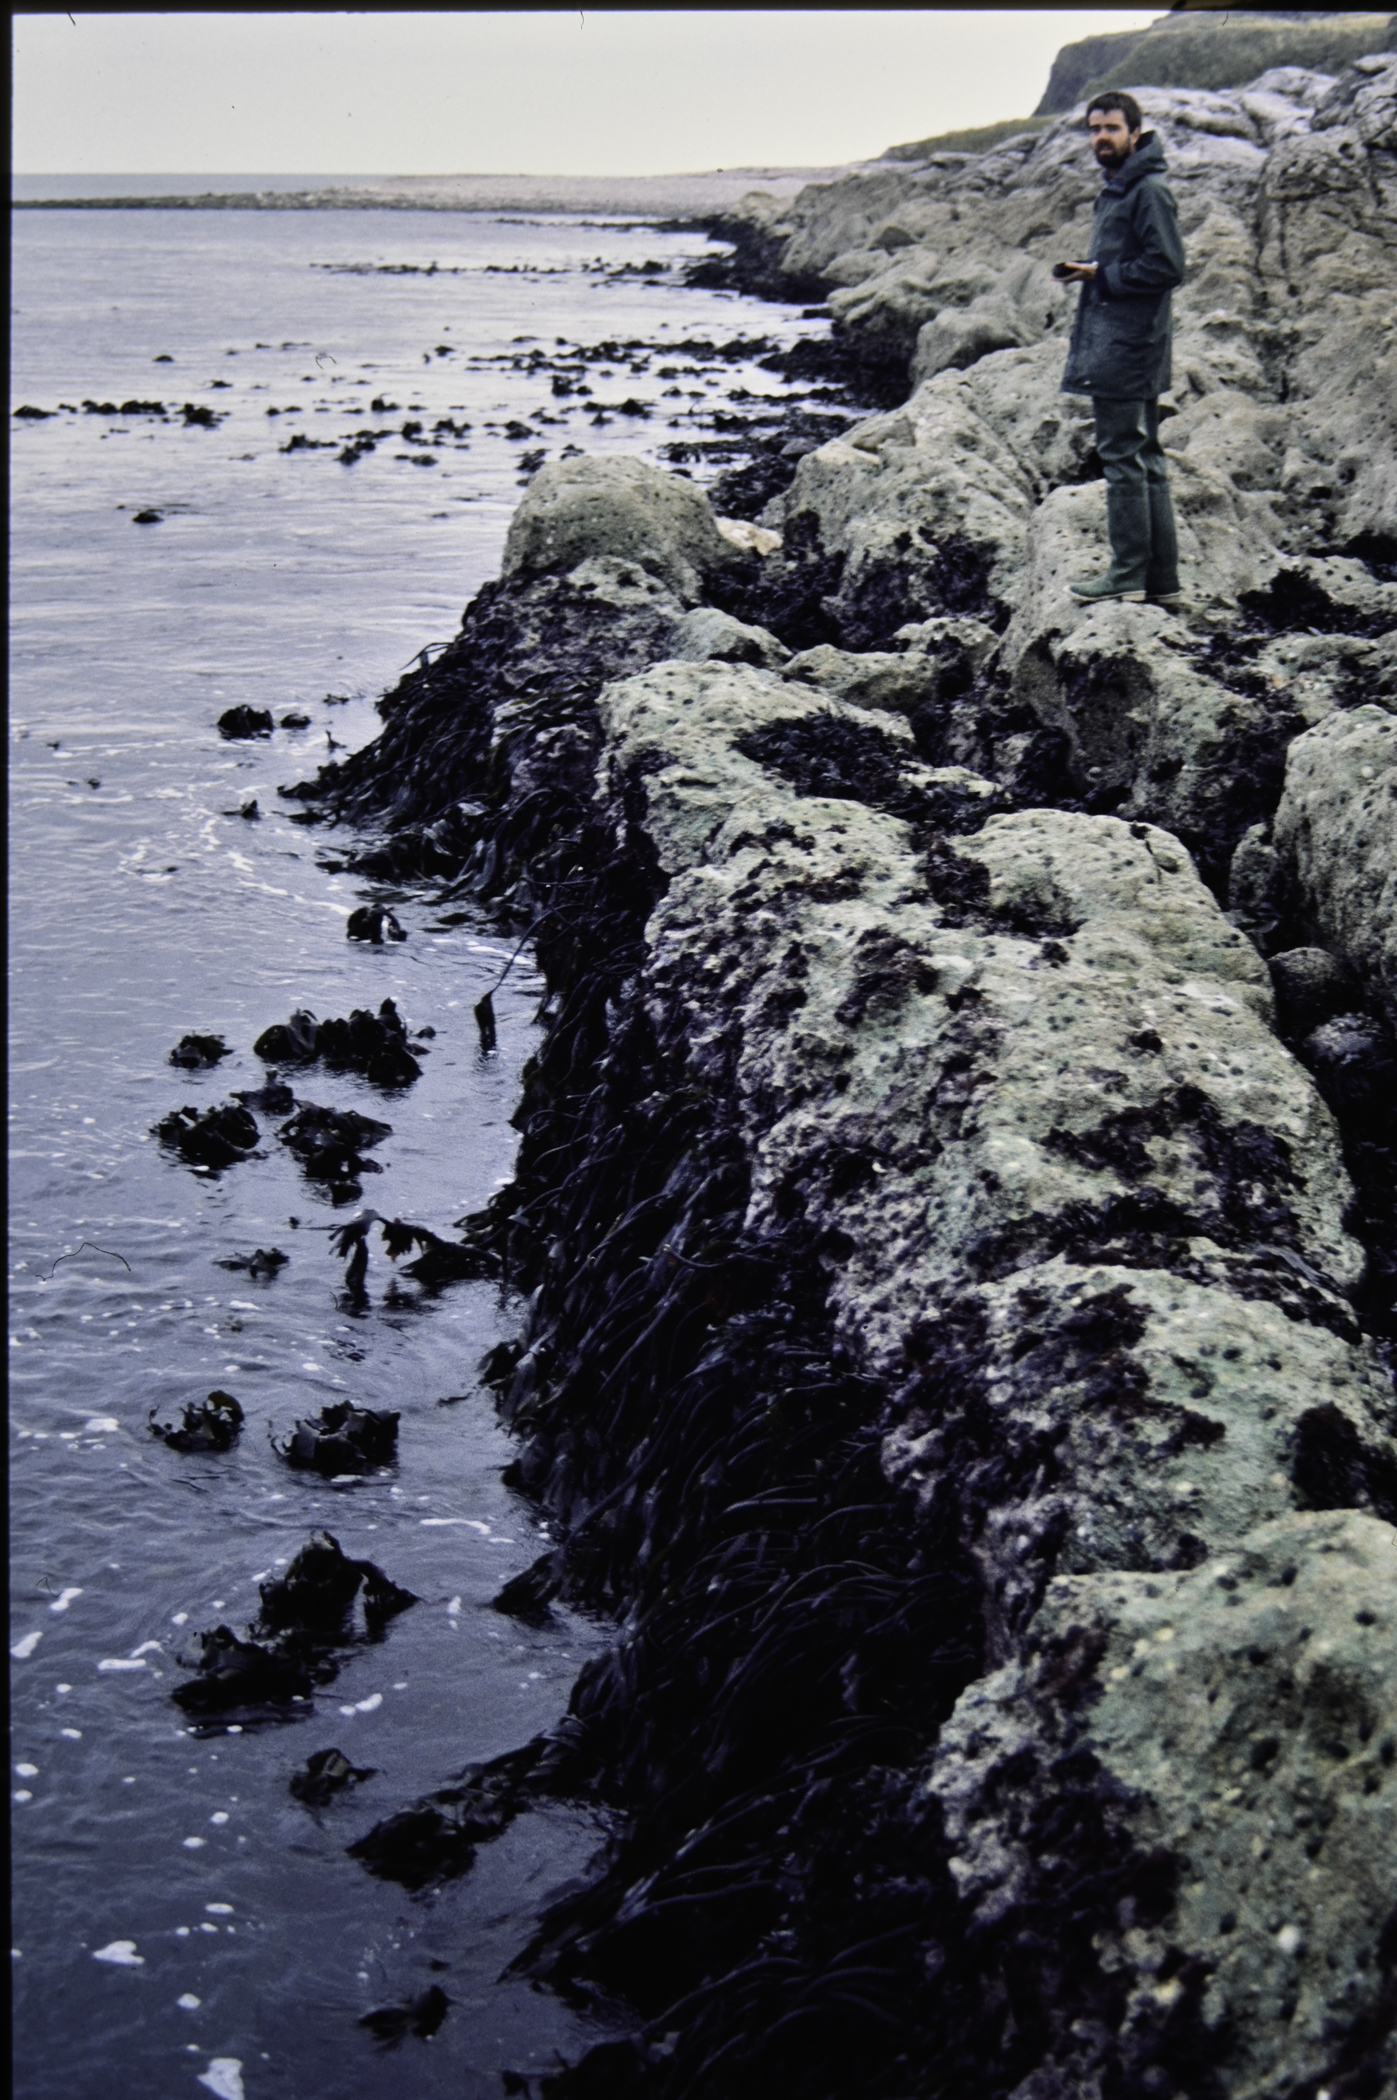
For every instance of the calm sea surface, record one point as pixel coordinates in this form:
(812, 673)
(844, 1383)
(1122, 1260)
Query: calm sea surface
(180, 1922)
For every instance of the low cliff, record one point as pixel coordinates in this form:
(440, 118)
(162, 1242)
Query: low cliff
(956, 1186)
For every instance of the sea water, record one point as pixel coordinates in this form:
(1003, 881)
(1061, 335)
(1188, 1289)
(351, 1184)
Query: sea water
(181, 1923)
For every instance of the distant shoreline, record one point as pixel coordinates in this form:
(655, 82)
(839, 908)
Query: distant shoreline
(646, 196)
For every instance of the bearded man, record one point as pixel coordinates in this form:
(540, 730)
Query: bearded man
(1120, 349)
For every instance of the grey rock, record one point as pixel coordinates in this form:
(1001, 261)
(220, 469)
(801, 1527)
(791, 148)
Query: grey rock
(1310, 988)
(1207, 1760)
(1021, 306)
(708, 635)
(1336, 834)
(581, 508)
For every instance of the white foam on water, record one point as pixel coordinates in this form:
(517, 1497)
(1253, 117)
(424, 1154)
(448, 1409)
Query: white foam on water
(146, 1647)
(188, 2002)
(115, 1662)
(74, 1735)
(224, 2077)
(219, 1910)
(195, 1844)
(219, 1815)
(100, 1425)
(64, 1599)
(121, 1953)
(369, 1705)
(21, 1650)
(27, 1771)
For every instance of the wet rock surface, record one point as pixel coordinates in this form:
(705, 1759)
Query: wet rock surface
(955, 1189)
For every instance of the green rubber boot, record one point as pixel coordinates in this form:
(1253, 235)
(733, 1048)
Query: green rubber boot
(1128, 527)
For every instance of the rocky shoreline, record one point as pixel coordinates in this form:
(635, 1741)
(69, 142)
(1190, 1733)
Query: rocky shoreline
(956, 1188)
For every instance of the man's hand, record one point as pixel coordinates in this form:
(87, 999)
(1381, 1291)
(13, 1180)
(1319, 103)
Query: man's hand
(1075, 273)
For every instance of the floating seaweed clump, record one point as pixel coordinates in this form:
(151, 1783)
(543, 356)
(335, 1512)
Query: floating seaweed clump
(294, 1641)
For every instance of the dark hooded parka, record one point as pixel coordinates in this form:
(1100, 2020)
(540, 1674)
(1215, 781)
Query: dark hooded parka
(1123, 329)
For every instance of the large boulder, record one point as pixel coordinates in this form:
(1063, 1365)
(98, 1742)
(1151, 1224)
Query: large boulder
(576, 509)
(1170, 1822)
(1021, 306)
(1335, 833)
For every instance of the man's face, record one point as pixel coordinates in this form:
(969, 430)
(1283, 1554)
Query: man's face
(1111, 139)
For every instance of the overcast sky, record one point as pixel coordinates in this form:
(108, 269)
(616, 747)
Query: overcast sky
(527, 91)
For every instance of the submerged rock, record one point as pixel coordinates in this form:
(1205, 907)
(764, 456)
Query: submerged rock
(247, 1676)
(375, 923)
(263, 1261)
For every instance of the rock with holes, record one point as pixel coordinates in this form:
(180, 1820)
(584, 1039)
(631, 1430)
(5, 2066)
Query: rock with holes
(1016, 1075)
(1336, 834)
(1170, 1822)
(706, 635)
(925, 510)
(885, 312)
(581, 508)
(967, 1039)
(1078, 1416)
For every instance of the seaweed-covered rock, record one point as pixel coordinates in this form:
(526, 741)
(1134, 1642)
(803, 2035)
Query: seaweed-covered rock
(326, 1774)
(327, 1142)
(209, 1139)
(1177, 1806)
(582, 508)
(248, 1676)
(435, 1840)
(214, 1424)
(239, 723)
(374, 1045)
(315, 1594)
(342, 1439)
(1336, 834)
(273, 1099)
(198, 1052)
(374, 923)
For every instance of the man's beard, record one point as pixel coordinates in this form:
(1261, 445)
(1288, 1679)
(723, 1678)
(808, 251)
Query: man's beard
(1111, 156)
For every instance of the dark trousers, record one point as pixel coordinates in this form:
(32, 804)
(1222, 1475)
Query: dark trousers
(1139, 513)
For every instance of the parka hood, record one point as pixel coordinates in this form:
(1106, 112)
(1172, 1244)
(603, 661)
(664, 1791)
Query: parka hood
(1147, 159)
